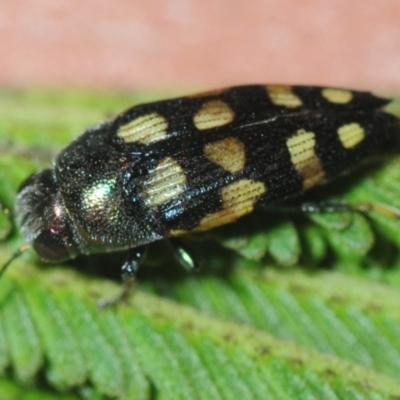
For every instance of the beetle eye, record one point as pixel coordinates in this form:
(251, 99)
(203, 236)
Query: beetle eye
(50, 247)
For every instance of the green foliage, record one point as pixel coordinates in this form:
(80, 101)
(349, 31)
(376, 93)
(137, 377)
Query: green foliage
(286, 307)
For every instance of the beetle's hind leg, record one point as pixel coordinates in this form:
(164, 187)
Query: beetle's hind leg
(128, 274)
(380, 208)
(341, 206)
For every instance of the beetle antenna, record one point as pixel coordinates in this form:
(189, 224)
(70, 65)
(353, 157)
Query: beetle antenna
(15, 255)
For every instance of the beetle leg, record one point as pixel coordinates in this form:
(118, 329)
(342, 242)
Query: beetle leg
(326, 206)
(183, 255)
(128, 275)
(341, 206)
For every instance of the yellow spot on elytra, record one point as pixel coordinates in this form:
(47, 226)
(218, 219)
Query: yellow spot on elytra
(337, 96)
(301, 147)
(165, 182)
(228, 153)
(144, 129)
(282, 95)
(238, 199)
(212, 114)
(351, 134)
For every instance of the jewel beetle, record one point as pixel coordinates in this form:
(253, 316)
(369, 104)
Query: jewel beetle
(168, 168)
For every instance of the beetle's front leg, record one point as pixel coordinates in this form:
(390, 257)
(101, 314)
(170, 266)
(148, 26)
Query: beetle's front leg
(128, 275)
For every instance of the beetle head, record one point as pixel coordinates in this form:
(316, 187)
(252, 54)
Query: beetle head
(43, 219)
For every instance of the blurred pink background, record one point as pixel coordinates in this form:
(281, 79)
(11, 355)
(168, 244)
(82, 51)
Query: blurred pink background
(128, 44)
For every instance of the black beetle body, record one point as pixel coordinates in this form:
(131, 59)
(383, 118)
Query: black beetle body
(164, 169)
